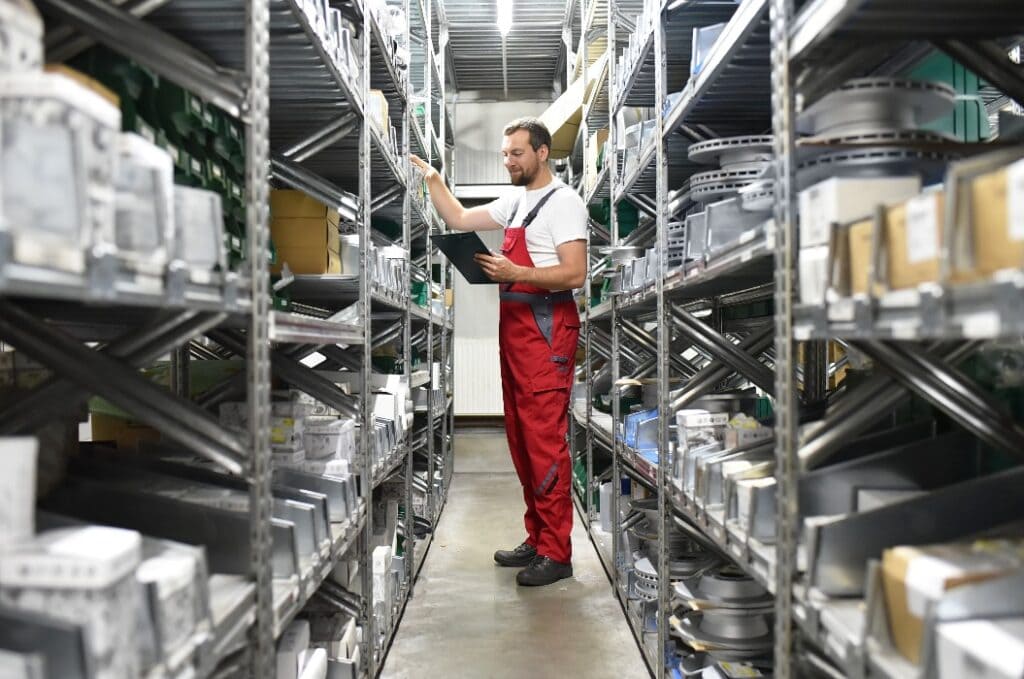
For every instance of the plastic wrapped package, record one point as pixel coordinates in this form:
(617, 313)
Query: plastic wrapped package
(174, 578)
(81, 575)
(18, 489)
(199, 232)
(21, 37)
(329, 438)
(143, 227)
(57, 166)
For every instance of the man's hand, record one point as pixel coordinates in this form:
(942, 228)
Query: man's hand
(499, 268)
(423, 167)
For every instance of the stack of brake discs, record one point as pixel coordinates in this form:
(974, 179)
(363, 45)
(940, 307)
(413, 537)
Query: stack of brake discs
(724, 614)
(878, 121)
(685, 558)
(741, 161)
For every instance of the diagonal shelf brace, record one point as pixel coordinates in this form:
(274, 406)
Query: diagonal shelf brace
(640, 335)
(724, 350)
(293, 372)
(950, 391)
(862, 407)
(712, 374)
(138, 348)
(329, 134)
(123, 386)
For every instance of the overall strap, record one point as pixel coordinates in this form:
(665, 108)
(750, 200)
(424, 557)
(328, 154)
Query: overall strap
(536, 208)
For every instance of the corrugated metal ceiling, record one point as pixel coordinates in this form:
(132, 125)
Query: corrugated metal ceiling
(533, 44)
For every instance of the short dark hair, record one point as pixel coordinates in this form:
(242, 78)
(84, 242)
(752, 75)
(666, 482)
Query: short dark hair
(539, 135)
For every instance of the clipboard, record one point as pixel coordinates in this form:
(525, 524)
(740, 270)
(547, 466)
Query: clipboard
(459, 248)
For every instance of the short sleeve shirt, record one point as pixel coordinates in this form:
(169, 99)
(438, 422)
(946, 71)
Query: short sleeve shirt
(562, 219)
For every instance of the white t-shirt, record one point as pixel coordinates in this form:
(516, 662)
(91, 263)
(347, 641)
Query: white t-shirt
(562, 219)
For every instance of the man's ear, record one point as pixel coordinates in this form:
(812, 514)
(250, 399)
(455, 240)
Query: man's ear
(543, 152)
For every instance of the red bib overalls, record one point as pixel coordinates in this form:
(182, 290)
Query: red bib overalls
(537, 334)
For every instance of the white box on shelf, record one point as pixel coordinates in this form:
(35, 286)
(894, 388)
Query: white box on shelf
(841, 200)
(605, 497)
(981, 649)
(294, 640)
(21, 37)
(813, 267)
(17, 489)
(314, 664)
(142, 233)
(329, 437)
(199, 232)
(83, 575)
(58, 156)
(174, 579)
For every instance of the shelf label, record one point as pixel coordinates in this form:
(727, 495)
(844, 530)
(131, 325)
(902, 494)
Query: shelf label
(922, 229)
(1015, 200)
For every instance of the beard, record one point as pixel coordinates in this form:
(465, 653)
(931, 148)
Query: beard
(523, 178)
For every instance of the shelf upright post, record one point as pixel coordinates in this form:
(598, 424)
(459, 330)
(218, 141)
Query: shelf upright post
(786, 416)
(428, 117)
(180, 375)
(257, 163)
(446, 358)
(613, 228)
(406, 165)
(665, 451)
(365, 318)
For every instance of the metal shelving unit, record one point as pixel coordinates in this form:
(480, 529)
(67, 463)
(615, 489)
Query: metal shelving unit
(769, 62)
(305, 120)
(644, 333)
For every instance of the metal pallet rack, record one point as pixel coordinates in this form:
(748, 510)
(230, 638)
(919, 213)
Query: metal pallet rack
(767, 54)
(306, 123)
(676, 327)
(916, 337)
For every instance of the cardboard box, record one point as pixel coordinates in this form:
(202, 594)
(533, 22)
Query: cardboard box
(997, 216)
(286, 203)
(841, 200)
(913, 578)
(127, 434)
(981, 649)
(307, 245)
(305, 232)
(913, 241)
(858, 237)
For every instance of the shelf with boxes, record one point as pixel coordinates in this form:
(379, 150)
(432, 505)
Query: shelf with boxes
(885, 273)
(734, 266)
(683, 324)
(200, 603)
(183, 112)
(914, 287)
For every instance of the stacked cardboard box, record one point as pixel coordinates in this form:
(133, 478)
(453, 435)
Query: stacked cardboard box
(305, 232)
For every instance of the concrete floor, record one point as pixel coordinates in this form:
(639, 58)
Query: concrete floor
(468, 618)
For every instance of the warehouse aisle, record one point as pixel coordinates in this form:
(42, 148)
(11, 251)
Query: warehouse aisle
(469, 619)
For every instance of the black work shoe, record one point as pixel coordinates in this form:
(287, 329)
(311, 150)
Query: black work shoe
(543, 571)
(523, 555)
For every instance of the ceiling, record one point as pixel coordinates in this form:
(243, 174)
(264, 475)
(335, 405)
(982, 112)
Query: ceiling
(533, 46)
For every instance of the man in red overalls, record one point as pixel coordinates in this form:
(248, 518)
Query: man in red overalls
(543, 258)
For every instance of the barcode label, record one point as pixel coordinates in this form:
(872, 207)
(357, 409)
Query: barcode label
(1015, 200)
(922, 230)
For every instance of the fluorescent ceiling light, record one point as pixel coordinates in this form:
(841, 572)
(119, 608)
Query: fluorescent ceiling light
(504, 16)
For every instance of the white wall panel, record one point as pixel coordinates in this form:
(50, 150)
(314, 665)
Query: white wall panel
(478, 127)
(477, 373)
